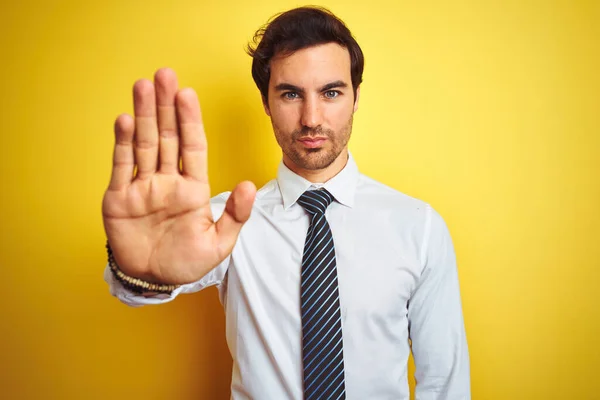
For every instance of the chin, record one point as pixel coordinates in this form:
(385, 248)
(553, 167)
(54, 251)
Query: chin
(313, 159)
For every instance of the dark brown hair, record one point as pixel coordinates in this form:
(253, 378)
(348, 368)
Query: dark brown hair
(297, 29)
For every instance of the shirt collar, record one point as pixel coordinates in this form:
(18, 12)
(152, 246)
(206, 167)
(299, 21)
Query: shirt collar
(342, 186)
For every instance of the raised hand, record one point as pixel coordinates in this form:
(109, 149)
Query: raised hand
(156, 210)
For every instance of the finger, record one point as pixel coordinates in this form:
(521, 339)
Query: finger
(237, 211)
(146, 131)
(193, 144)
(165, 82)
(123, 162)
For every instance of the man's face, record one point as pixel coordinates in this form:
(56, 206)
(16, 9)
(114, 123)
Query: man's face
(311, 104)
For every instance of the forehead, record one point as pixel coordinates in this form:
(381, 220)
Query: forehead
(316, 65)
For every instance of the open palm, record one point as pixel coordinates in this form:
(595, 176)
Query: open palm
(156, 210)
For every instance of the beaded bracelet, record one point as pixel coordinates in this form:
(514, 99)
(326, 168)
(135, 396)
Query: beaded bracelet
(135, 284)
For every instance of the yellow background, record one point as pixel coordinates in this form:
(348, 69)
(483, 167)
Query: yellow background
(488, 110)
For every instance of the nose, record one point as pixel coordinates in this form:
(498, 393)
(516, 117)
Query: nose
(311, 113)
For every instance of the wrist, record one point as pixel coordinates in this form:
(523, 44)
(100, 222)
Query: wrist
(136, 285)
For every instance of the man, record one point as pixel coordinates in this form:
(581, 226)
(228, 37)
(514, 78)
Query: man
(328, 278)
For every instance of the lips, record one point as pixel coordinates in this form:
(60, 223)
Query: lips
(313, 142)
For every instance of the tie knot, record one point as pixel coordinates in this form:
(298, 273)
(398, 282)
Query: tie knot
(315, 201)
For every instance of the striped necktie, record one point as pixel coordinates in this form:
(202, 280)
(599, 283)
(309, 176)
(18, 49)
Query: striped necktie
(322, 347)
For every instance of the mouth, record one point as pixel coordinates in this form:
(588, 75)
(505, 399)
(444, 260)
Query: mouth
(312, 142)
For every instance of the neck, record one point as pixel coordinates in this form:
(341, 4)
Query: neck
(319, 175)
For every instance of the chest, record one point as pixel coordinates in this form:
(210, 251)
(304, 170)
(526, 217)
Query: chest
(376, 258)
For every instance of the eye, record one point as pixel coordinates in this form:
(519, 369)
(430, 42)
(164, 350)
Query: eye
(290, 95)
(332, 94)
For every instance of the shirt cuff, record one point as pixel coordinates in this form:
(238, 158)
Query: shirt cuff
(133, 299)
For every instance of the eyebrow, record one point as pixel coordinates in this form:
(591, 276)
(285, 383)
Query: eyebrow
(329, 86)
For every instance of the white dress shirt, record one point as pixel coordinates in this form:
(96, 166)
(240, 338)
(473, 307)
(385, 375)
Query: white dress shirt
(397, 282)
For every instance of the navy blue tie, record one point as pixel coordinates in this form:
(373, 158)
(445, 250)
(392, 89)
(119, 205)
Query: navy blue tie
(322, 346)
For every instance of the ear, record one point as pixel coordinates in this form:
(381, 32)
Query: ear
(265, 104)
(356, 99)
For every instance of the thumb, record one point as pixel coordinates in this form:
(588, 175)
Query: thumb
(237, 211)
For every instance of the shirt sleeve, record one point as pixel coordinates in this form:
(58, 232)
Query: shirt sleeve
(126, 296)
(436, 325)
(216, 276)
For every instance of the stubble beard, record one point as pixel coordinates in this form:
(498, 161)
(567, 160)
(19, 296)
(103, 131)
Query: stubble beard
(318, 158)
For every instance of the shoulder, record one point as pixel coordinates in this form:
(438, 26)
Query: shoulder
(217, 204)
(265, 195)
(378, 196)
(405, 214)
(397, 207)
